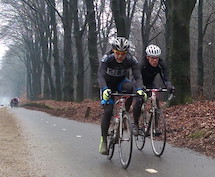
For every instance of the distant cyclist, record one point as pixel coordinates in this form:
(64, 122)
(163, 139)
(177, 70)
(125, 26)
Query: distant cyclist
(112, 72)
(14, 102)
(151, 65)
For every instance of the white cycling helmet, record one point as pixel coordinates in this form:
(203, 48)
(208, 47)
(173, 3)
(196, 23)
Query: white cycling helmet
(121, 44)
(153, 51)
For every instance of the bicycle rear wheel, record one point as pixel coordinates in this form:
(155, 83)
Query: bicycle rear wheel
(158, 140)
(125, 141)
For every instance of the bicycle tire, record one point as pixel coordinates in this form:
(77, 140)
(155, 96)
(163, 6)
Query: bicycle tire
(126, 141)
(111, 147)
(111, 141)
(141, 138)
(158, 141)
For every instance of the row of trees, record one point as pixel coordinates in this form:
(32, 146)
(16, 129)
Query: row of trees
(60, 41)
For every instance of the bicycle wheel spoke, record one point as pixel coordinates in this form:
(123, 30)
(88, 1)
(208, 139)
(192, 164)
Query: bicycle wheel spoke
(125, 142)
(158, 134)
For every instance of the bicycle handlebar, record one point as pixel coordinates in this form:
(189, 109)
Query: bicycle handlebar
(156, 90)
(146, 90)
(160, 90)
(124, 94)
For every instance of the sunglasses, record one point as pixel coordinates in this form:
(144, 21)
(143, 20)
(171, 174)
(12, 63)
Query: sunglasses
(119, 52)
(153, 58)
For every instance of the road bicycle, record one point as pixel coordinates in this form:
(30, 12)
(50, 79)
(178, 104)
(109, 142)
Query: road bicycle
(120, 130)
(152, 122)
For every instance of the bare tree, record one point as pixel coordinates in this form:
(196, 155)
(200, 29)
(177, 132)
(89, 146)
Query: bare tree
(179, 14)
(68, 55)
(54, 42)
(149, 18)
(200, 73)
(67, 22)
(26, 29)
(92, 48)
(105, 23)
(123, 12)
(78, 34)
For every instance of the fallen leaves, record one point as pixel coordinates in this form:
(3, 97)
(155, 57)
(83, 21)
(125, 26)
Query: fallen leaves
(193, 126)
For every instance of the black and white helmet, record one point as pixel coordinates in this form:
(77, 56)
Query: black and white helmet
(153, 51)
(121, 44)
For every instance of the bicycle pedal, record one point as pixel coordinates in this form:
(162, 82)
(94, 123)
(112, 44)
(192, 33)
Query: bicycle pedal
(157, 134)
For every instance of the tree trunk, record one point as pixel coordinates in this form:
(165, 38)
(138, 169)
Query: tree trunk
(145, 26)
(119, 12)
(92, 49)
(179, 19)
(34, 67)
(56, 54)
(49, 89)
(68, 58)
(167, 29)
(147, 23)
(200, 73)
(79, 47)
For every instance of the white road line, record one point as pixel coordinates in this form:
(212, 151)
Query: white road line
(150, 170)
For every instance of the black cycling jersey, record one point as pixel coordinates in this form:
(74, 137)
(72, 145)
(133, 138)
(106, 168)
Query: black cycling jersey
(110, 72)
(149, 72)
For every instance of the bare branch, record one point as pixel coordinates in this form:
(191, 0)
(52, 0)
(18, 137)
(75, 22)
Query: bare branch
(53, 6)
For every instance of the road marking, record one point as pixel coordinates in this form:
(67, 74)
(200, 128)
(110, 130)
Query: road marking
(78, 136)
(64, 129)
(150, 170)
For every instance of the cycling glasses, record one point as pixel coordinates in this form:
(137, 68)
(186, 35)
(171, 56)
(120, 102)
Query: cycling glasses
(153, 58)
(119, 52)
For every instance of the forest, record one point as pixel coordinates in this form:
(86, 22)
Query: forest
(53, 47)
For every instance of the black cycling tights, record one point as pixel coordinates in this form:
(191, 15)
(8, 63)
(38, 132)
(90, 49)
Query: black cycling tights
(108, 109)
(137, 109)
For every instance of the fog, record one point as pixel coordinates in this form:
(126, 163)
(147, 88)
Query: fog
(5, 100)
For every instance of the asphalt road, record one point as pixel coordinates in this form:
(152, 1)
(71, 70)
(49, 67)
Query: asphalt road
(64, 148)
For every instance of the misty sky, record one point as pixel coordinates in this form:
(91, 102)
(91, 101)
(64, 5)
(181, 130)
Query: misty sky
(3, 48)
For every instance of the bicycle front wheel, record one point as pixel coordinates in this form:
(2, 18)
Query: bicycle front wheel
(141, 138)
(158, 133)
(111, 147)
(125, 141)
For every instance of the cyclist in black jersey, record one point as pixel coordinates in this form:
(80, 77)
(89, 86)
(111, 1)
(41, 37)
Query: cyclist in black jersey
(150, 67)
(112, 72)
